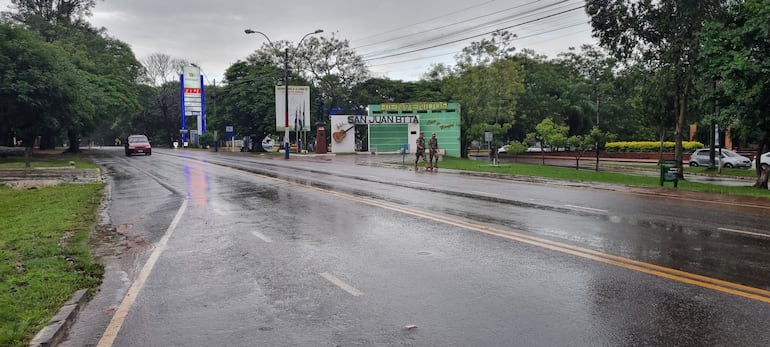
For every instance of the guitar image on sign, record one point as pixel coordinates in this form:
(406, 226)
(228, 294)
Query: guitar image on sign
(340, 135)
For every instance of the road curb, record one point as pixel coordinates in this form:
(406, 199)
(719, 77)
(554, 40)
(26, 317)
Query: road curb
(57, 327)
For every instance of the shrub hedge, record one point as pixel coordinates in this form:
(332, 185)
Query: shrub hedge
(650, 146)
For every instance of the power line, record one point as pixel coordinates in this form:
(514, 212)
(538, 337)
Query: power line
(453, 24)
(456, 52)
(474, 36)
(427, 21)
(500, 21)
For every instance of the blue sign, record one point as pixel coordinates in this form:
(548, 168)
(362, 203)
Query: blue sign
(229, 131)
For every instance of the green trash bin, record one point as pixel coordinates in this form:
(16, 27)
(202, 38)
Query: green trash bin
(669, 172)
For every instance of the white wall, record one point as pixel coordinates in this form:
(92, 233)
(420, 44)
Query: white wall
(339, 124)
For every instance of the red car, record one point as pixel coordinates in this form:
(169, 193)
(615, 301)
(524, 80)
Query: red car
(138, 144)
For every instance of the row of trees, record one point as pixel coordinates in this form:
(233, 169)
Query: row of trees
(61, 78)
(706, 61)
(663, 65)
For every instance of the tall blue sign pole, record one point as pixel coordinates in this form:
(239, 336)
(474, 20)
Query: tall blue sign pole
(203, 107)
(181, 106)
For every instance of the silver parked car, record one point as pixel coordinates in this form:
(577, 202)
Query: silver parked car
(730, 159)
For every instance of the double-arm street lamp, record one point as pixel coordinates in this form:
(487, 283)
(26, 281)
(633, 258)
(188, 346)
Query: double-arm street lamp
(285, 82)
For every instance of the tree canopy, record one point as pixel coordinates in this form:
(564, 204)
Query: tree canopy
(36, 83)
(736, 57)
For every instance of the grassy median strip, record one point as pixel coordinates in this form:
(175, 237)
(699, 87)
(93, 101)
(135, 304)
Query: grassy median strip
(48, 159)
(587, 174)
(44, 254)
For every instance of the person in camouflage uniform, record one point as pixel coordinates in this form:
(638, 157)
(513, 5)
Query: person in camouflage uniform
(420, 152)
(433, 153)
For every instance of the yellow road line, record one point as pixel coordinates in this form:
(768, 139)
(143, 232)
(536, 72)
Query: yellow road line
(626, 263)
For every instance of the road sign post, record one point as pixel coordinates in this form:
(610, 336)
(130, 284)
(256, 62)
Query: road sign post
(229, 133)
(488, 139)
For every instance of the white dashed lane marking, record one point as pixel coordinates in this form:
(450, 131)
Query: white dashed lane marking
(341, 284)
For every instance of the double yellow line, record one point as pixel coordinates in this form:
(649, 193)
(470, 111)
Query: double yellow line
(626, 263)
(520, 236)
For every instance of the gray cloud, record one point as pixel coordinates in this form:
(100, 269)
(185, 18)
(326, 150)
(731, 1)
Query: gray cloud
(211, 33)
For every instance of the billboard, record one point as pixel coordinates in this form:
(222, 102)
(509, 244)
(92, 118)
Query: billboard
(299, 108)
(193, 103)
(192, 91)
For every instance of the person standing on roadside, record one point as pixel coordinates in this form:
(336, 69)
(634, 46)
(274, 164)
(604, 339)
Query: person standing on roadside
(433, 153)
(420, 152)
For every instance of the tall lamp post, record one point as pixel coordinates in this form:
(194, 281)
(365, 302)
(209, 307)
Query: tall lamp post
(285, 83)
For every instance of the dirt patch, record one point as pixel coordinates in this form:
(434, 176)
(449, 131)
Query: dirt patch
(106, 242)
(45, 177)
(31, 184)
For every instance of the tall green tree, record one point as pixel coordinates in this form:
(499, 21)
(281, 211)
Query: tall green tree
(736, 57)
(60, 12)
(546, 86)
(111, 71)
(334, 68)
(380, 90)
(106, 67)
(487, 83)
(247, 101)
(638, 107)
(37, 81)
(592, 82)
(328, 64)
(663, 33)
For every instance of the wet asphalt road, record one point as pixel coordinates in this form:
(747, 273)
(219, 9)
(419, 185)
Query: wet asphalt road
(325, 252)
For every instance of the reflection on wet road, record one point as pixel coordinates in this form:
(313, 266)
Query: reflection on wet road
(196, 185)
(304, 252)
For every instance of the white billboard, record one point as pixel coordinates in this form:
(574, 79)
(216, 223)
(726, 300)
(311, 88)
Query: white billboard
(343, 134)
(299, 108)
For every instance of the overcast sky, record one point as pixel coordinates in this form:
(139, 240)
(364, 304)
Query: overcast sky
(210, 33)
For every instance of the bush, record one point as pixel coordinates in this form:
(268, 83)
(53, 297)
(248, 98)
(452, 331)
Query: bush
(517, 147)
(206, 139)
(649, 146)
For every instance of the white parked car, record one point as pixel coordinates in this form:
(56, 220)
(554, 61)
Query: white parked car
(503, 149)
(537, 149)
(764, 161)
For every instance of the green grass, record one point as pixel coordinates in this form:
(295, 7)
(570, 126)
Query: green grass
(48, 159)
(44, 255)
(725, 172)
(687, 170)
(589, 175)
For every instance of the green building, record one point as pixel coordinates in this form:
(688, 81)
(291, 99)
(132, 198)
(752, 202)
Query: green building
(394, 125)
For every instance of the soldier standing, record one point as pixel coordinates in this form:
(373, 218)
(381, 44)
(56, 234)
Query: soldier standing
(433, 153)
(420, 152)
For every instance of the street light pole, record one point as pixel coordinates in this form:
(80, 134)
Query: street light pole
(285, 83)
(286, 142)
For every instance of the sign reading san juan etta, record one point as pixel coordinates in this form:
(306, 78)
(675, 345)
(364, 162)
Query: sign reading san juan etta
(402, 118)
(383, 120)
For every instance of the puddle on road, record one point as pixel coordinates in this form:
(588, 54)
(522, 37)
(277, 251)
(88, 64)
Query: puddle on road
(106, 242)
(110, 244)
